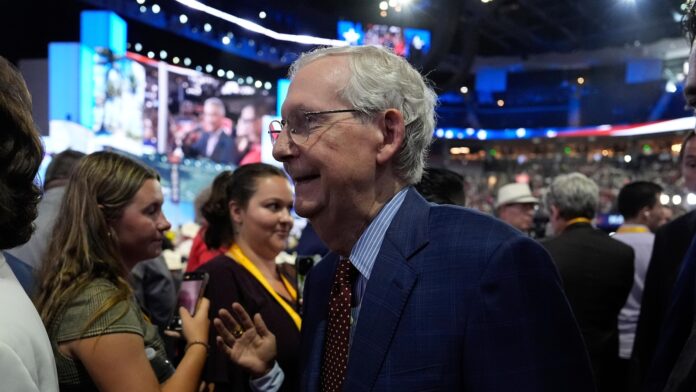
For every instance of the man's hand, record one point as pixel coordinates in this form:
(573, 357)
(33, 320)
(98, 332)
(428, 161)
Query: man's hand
(247, 343)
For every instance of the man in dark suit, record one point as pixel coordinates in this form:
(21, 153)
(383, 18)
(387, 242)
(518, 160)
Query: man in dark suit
(673, 367)
(214, 143)
(671, 243)
(413, 296)
(665, 346)
(597, 271)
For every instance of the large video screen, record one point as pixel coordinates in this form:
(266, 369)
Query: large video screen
(122, 109)
(408, 42)
(214, 119)
(119, 97)
(186, 124)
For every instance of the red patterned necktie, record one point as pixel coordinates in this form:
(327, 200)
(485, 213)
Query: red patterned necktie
(333, 370)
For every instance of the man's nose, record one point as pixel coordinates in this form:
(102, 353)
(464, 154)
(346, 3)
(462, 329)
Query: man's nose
(283, 148)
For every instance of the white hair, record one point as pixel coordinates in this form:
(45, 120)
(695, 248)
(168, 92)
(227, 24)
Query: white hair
(575, 195)
(382, 80)
(216, 102)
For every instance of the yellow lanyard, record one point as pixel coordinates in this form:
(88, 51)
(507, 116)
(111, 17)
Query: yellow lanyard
(578, 220)
(632, 229)
(235, 252)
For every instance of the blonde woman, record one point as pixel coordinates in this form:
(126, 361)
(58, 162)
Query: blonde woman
(111, 219)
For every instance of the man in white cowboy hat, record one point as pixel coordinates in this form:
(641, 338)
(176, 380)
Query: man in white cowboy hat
(515, 206)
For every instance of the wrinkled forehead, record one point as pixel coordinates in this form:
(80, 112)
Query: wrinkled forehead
(318, 85)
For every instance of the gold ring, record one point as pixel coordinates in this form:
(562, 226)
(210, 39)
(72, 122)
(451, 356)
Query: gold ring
(237, 332)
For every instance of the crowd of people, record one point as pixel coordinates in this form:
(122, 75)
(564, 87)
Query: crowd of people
(416, 291)
(482, 186)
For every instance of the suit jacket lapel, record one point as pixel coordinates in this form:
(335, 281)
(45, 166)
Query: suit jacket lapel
(387, 292)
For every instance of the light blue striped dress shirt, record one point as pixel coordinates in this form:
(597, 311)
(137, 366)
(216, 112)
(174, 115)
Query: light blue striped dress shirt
(364, 252)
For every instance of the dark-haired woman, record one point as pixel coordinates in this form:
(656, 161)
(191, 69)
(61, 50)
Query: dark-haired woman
(249, 211)
(111, 219)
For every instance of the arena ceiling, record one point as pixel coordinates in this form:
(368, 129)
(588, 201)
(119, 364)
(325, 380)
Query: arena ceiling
(461, 30)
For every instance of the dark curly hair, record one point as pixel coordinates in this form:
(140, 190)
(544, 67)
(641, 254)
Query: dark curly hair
(20, 156)
(238, 186)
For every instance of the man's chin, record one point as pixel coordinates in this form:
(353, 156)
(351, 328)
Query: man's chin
(306, 209)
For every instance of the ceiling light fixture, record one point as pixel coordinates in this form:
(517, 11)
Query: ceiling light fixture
(251, 26)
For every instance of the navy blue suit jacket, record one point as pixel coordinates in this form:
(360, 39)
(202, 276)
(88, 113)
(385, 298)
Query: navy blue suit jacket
(456, 301)
(225, 150)
(676, 327)
(671, 244)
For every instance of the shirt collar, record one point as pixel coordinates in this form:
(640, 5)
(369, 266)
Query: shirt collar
(364, 252)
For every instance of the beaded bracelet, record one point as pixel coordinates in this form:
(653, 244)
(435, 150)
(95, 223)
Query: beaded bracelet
(204, 344)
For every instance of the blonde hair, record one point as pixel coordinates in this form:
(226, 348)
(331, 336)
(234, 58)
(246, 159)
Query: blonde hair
(83, 246)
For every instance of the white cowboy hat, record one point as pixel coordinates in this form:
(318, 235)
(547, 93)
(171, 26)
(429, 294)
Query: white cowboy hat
(515, 193)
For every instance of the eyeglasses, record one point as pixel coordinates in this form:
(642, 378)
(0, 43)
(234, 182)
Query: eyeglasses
(301, 129)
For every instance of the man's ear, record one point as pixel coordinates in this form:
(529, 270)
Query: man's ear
(553, 212)
(645, 213)
(393, 132)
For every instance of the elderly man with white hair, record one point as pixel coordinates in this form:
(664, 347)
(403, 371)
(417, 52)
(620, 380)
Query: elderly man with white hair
(597, 271)
(413, 296)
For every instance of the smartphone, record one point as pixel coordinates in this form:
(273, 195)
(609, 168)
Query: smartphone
(191, 291)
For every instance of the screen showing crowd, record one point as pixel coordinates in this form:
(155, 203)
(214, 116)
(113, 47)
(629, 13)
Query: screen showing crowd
(183, 114)
(407, 42)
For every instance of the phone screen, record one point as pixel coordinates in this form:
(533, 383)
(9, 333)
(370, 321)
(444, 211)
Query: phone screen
(191, 290)
(189, 293)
